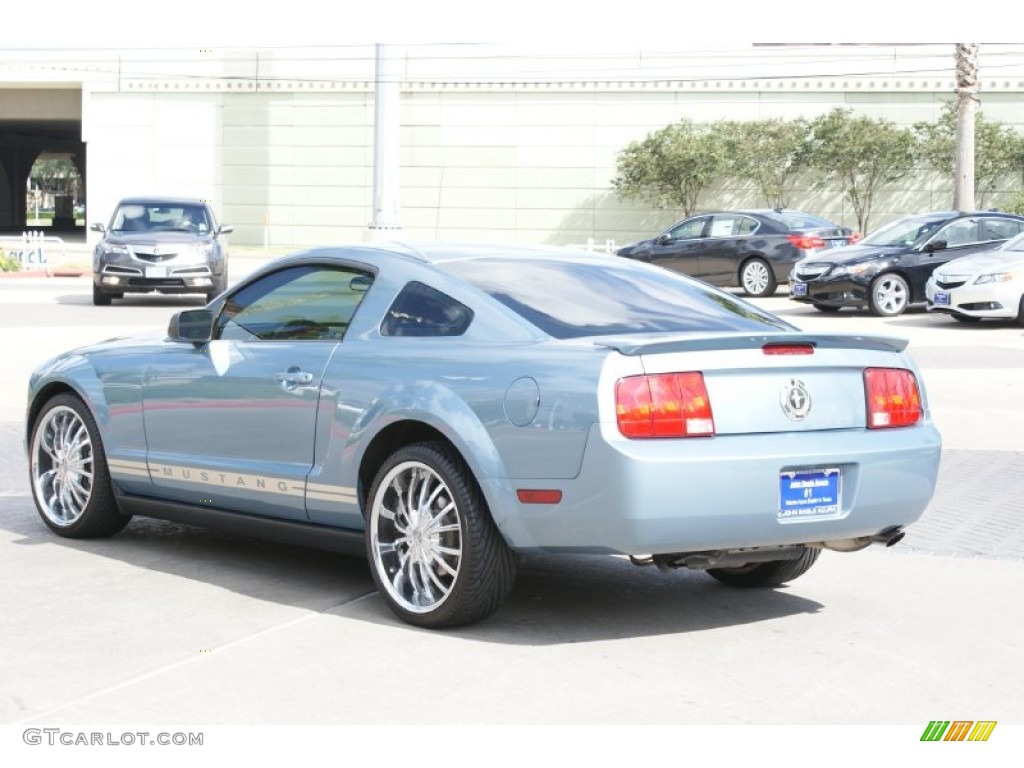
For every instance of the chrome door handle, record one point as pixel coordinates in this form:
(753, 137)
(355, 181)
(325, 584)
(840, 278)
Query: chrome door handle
(295, 377)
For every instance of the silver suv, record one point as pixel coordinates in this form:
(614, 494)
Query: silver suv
(168, 245)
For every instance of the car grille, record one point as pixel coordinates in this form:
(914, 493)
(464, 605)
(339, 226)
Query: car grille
(812, 270)
(949, 283)
(154, 258)
(160, 282)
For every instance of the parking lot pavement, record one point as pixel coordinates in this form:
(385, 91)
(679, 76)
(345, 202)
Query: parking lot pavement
(167, 623)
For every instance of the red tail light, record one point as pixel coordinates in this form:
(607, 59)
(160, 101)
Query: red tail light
(855, 237)
(893, 398)
(806, 242)
(664, 405)
(788, 349)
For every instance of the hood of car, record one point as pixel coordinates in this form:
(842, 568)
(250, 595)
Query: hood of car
(983, 263)
(638, 245)
(848, 254)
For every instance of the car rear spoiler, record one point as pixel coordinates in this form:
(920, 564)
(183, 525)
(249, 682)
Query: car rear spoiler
(703, 342)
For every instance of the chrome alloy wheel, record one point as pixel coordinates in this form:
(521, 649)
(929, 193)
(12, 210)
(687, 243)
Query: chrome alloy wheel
(416, 537)
(62, 466)
(756, 278)
(889, 295)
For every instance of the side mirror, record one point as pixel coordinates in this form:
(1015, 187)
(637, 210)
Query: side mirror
(664, 238)
(192, 325)
(935, 245)
(97, 227)
(224, 230)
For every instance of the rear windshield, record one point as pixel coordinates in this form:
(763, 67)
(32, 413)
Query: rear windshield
(798, 220)
(570, 299)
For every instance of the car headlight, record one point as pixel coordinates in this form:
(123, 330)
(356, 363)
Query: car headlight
(116, 249)
(995, 277)
(853, 269)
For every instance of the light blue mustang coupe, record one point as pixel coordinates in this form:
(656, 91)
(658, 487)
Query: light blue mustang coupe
(443, 408)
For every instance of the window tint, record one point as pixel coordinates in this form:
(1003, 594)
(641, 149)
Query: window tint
(999, 229)
(731, 225)
(420, 310)
(158, 217)
(960, 232)
(570, 299)
(689, 229)
(308, 303)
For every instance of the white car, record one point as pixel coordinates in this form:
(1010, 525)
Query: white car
(985, 285)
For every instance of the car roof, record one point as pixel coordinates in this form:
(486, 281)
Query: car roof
(151, 200)
(435, 253)
(963, 214)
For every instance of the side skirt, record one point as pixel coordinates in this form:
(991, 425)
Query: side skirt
(338, 540)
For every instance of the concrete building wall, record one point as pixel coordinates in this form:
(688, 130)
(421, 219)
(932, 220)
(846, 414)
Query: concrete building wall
(282, 141)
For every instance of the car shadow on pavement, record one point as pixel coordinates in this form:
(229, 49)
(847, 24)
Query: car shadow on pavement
(555, 600)
(568, 599)
(137, 300)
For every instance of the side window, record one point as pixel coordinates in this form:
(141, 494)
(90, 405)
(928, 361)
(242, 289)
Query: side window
(730, 225)
(420, 310)
(689, 229)
(999, 229)
(960, 232)
(307, 303)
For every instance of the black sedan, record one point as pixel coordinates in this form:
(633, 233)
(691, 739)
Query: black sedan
(888, 270)
(754, 250)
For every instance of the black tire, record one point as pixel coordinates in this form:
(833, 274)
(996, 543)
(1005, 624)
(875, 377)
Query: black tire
(68, 472)
(889, 295)
(99, 298)
(1020, 311)
(220, 284)
(757, 279)
(449, 545)
(826, 309)
(770, 574)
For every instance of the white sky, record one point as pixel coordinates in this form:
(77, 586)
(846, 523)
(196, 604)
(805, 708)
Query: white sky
(572, 25)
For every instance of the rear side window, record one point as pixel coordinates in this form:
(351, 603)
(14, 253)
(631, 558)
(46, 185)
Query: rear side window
(572, 299)
(420, 310)
(999, 229)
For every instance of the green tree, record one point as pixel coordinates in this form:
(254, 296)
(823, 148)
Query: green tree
(998, 149)
(771, 153)
(671, 166)
(55, 175)
(862, 154)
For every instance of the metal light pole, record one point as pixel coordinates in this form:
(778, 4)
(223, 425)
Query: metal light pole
(966, 108)
(385, 142)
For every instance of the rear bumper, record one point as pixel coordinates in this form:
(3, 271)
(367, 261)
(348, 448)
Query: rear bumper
(667, 496)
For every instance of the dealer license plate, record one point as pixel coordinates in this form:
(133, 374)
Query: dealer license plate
(941, 299)
(808, 494)
(798, 289)
(156, 271)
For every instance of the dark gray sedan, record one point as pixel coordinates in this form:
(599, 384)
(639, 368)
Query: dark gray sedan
(753, 250)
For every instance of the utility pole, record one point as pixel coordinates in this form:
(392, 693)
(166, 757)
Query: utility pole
(386, 140)
(966, 108)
